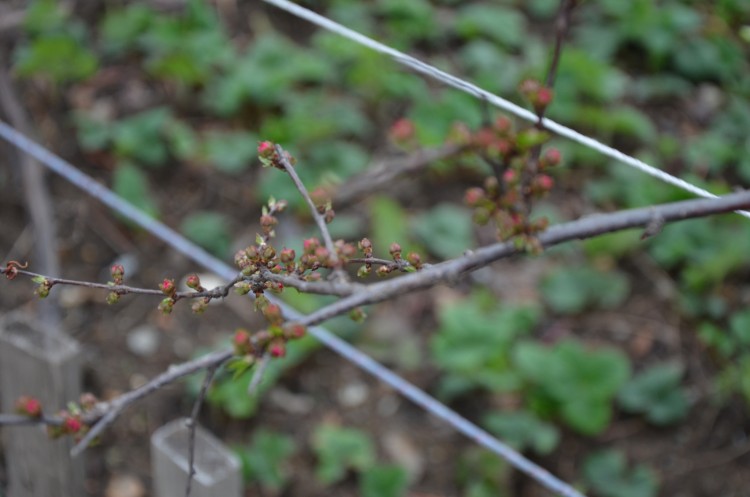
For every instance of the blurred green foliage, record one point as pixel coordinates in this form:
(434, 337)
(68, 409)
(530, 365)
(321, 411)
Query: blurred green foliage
(264, 460)
(608, 475)
(628, 64)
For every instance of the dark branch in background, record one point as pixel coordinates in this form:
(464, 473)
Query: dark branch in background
(381, 175)
(38, 203)
(192, 422)
(562, 25)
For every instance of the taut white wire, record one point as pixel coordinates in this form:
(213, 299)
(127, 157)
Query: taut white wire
(344, 349)
(499, 102)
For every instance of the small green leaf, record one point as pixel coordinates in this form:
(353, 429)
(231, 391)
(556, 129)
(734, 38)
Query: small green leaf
(445, 230)
(266, 458)
(384, 481)
(523, 430)
(230, 151)
(130, 183)
(656, 393)
(210, 230)
(339, 449)
(609, 476)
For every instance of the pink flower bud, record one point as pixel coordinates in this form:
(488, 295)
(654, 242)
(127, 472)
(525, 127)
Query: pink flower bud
(395, 251)
(310, 245)
(72, 425)
(552, 157)
(29, 406)
(117, 272)
(473, 196)
(194, 282)
(272, 312)
(266, 149)
(277, 348)
(167, 287)
(402, 131)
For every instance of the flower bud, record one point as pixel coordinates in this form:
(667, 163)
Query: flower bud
(365, 245)
(295, 330)
(167, 287)
(199, 306)
(363, 271)
(395, 251)
(414, 259)
(242, 288)
(29, 406)
(551, 157)
(88, 401)
(329, 215)
(166, 305)
(241, 342)
(402, 131)
(287, 256)
(118, 273)
(43, 289)
(383, 271)
(310, 245)
(357, 315)
(113, 298)
(71, 425)
(473, 196)
(272, 313)
(277, 347)
(194, 282)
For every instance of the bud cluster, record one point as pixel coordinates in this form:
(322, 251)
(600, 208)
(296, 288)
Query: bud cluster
(72, 418)
(273, 340)
(521, 172)
(270, 158)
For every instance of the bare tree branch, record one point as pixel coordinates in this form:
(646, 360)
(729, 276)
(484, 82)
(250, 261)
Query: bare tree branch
(191, 424)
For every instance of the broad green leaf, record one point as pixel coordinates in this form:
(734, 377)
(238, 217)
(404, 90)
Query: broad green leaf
(208, 229)
(339, 449)
(384, 481)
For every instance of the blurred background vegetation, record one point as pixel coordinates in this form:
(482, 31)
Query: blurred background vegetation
(166, 103)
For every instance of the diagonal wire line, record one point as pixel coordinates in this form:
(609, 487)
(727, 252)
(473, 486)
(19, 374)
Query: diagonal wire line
(499, 102)
(344, 349)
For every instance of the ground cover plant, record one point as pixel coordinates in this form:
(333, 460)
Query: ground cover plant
(643, 339)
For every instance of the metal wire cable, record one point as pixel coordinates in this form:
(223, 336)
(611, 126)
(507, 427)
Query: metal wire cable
(499, 102)
(91, 187)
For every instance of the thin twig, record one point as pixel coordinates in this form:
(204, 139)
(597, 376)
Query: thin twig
(382, 174)
(338, 288)
(105, 413)
(218, 292)
(319, 219)
(260, 370)
(23, 420)
(192, 422)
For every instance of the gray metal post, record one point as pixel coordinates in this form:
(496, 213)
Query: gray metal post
(217, 469)
(46, 365)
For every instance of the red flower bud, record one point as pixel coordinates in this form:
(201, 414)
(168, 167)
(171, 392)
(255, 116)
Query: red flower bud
(241, 342)
(295, 330)
(72, 425)
(266, 149)
(277, 348)
(287, 256)
(29, 406)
